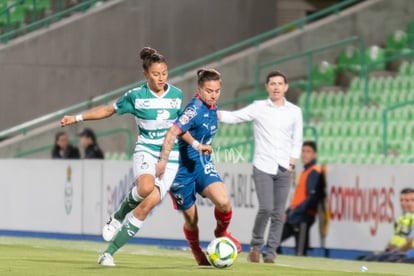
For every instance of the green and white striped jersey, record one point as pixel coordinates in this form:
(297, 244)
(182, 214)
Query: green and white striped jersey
(154, 116)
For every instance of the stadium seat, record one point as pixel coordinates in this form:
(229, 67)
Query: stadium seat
(404, 69)
(397, 42)
(355, 85)
(349, 59)
(374, 57)
(323, 74)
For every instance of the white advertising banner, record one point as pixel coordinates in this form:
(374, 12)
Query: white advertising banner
(77, 197)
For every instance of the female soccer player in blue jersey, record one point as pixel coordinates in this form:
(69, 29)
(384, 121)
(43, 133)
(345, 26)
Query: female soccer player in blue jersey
(155, 106)
(196, 172)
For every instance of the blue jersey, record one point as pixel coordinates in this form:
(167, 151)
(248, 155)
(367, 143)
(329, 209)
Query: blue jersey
(196, 171)
(202, 123)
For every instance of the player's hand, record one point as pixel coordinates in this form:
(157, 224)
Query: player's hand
(67, 120)
(205, 149)
(160, 168)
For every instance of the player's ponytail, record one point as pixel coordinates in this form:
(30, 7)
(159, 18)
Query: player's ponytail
(150, 56)
(204, 75)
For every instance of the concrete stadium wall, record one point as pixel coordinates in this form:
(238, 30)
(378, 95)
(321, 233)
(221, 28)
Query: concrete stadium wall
(89, 54)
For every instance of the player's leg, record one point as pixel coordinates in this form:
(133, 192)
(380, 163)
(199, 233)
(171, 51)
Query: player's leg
(131, 226)
(281, 187)
(264, 190)
(144, 171)
(223, 213)
(192, 234)
(136, 219)
(183, 195)
(209, 184)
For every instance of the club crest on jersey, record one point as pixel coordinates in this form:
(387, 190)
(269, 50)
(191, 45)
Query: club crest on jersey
(174, 103)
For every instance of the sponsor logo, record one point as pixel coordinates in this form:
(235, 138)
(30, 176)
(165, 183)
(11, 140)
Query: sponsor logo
(162, 115)
(179, 199)
(144, 165)
(184, 119)
(190, 112)
(142, 103)
(372, 205)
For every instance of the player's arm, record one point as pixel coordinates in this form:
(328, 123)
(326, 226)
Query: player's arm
(94, 114)
(167, 146)
(204, 149)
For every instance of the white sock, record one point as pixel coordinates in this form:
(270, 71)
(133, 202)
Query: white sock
(135, 195)
(134, 221)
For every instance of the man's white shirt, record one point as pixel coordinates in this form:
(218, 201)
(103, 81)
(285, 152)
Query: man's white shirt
(278, 132)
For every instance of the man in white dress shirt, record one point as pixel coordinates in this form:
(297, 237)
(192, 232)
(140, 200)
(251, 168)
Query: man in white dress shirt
(278, 129)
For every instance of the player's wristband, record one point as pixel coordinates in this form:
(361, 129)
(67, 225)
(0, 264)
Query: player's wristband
(79, 118)
(195, 144)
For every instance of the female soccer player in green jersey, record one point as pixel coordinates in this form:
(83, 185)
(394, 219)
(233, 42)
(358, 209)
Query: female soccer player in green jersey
(155, 106)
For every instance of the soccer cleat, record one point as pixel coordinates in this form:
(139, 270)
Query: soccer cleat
(233, 239)
(200, 256)
(106, 259)
(110, 229)
(254, 256)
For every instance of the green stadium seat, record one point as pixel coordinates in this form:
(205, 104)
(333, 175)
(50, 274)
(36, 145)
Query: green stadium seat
(349, 59)
(374, 57)
(404, 69)
(355, 85)
(407, 147)
(397, 42)
(323, 74)
(302, 100)
(352, 99)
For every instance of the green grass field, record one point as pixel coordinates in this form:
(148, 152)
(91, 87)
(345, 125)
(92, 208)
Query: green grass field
(27, 256)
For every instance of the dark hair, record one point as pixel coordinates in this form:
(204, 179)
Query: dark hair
(150, 56)
(58, 135)
(276, 74)
(407, 191)
(204, 75)
(311, 144)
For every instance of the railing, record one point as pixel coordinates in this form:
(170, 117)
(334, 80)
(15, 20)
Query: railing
(127, 131)
(180, 70)
(44, 22)
(308, 54)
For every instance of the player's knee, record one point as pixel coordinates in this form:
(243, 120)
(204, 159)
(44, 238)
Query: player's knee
(224, 206)
(144, 188)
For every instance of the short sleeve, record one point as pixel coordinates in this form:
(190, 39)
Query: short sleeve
(125, 104)
(187, 119)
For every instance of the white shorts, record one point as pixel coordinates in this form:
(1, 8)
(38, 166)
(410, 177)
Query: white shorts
(144, 163)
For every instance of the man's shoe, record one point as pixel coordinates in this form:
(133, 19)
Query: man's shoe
(110, 229)
(106, 259)
(254, 256)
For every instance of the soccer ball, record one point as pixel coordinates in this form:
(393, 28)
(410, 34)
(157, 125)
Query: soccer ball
(221, 252)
